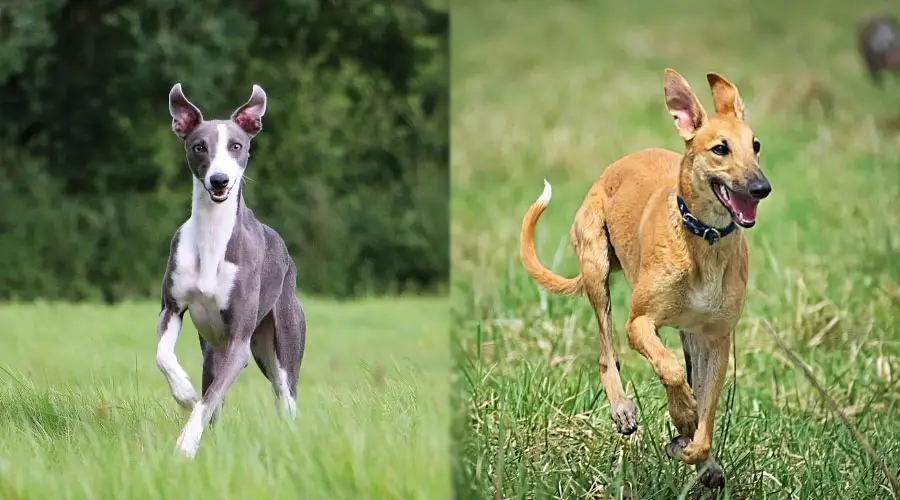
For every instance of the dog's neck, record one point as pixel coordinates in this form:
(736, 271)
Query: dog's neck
(213, 225)
(701, 201)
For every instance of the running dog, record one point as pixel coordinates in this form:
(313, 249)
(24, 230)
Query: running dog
(674, 224)
(232, 272)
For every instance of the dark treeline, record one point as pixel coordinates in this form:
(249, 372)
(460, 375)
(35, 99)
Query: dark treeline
(351, 167)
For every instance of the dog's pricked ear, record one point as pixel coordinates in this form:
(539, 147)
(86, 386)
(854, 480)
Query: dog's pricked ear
(249, 116)
(683, 105)
(726, 98)
(185, 116)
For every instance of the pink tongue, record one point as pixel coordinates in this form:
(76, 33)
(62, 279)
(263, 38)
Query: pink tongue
(744, 208)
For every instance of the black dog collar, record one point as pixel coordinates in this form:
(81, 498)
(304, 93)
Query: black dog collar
(693, 224)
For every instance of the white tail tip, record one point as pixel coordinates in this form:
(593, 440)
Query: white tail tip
(544, 199)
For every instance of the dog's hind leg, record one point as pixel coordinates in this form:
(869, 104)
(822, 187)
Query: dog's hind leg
(596, 259)
(290, 342)
(280, 352)
(262, 347)
(265, 348)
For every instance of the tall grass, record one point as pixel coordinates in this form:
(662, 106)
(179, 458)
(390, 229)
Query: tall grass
(84, 412)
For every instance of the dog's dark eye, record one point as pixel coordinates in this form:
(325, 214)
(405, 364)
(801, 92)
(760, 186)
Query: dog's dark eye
(236, 146)
(756, 146)
(720, 149)
(199, 148)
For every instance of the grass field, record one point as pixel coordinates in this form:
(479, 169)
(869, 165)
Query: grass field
(558, 90)
(85, 413)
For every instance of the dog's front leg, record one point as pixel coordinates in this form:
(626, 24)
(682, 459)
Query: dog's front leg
(696, 357)
(715, 351)
(233, 359)
(168, 328)
(643, 338)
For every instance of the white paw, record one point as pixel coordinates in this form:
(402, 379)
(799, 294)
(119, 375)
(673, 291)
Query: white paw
(181, 387)
(185, 395)
(179, 383)
(289, 408)
(187, 443)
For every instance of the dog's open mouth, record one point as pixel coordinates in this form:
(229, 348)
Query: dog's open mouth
(741, 207)
(218, 195)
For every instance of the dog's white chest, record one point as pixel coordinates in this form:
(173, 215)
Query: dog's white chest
(706, 295)
(705, 304)
(203, 280)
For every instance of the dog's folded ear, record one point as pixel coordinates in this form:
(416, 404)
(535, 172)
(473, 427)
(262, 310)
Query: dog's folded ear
(683, 104)
(249, 116)
(185, 116)
(725, 96)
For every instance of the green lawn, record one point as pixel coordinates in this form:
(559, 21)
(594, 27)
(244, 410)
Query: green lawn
(85, 413)
(558, 90)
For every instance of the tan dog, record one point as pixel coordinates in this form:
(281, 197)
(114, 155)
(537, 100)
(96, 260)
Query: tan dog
(671, 223)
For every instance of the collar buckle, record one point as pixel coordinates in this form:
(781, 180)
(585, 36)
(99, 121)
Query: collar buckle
(711, 235)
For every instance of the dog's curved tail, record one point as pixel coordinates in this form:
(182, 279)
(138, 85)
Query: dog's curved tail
(553, 283)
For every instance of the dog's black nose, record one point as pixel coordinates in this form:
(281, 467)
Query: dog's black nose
(218, 180)
(759, 188)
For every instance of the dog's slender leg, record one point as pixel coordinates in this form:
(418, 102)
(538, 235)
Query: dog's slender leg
(168, 328)
(693, 367)
(621, 407)
(262, 346)
(290, 342)
(595, 267)
(687, 347)
(642, 336)
(715, 351)
(209, 372)
(229, 364)
(266, 353)
(696, 361)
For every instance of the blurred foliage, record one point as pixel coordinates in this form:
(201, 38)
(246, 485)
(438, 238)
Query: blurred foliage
(351, 167)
